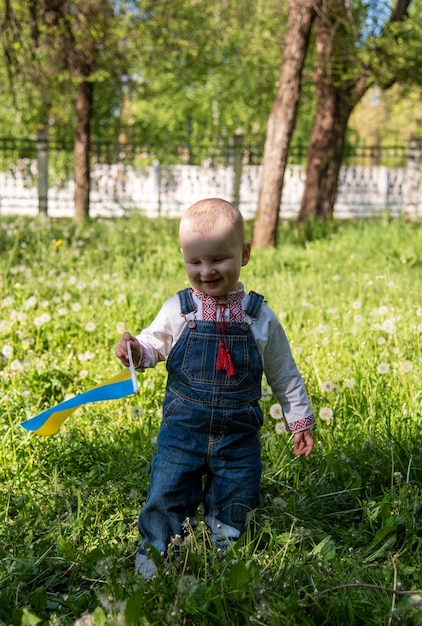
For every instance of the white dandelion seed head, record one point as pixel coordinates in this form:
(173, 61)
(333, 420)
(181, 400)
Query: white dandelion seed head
(90, 327)
(326, 414)
(16, 366)
(8, 301)
(406, 366)
(76, 307)
(381, 341)
(388, 326)
(120, 327)
(7, 351)
(276, 412)
(30, 303)
(66, 297)
(279, 503)
(356, 305)
(42, 319)
(62, 311)
(350, 383)
(83, 374)
(383, 368)
(328, 386)
(280, 427)
(419, 312)
(419, 328)
(266, 394)
(86, 356)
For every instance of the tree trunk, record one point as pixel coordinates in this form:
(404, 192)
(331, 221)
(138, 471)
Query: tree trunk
(282, 120)
(340, 84)
(84, 105)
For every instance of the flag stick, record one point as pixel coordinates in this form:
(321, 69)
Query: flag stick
(132, 370)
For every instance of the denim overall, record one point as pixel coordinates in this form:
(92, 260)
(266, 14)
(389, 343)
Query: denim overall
(208, 447)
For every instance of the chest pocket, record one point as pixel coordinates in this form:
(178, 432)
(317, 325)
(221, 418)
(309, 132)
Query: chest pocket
(200, 357)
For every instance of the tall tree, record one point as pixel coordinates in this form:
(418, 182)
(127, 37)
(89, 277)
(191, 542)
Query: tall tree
(282, 119)
(341, 80)
(53, 44)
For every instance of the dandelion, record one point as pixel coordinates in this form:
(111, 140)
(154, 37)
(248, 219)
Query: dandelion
(108, 302)
(7, 351)
(120, 327)
(328, 386)
(83, 374)
(86, 356)
(16, 366)
(321, 329)
(42, 319)
(137, 411)
(62, 311)
(381, 341)
(90, 327)
(406, 366)
(358, 319)
(388, 326)
(30, 303)
(419, 328)
(266, 394)
(66, 297)
(357, 304)
(326, 414)
(76, 307)
(383, 368)
(280, 504)
(280, 428)
(350, 383)
(7, 301)
(276, 412)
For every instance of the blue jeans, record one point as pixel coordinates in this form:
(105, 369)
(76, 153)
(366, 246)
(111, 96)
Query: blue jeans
(208, 446)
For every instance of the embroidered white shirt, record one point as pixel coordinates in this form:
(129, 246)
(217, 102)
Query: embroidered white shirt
(280, 368)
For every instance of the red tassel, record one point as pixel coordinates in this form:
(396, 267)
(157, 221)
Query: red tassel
(224, 361)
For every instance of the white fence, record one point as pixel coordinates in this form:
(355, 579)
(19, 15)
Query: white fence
(116, 190)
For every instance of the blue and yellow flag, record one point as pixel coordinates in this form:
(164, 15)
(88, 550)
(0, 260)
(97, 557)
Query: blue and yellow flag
(48, 422)
(123, 384)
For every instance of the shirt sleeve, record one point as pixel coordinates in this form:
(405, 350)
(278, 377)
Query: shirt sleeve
(160, 336)
(281, 371)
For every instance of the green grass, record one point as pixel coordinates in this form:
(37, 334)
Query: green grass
(338, 539)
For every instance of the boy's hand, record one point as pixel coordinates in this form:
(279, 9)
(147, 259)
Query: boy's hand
(303, 443)
(121, 349)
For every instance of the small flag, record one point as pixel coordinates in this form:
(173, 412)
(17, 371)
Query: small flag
(123, 384)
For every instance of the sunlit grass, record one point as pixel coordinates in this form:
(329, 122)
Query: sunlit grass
(338, 539)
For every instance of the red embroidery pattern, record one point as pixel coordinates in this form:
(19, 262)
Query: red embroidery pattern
(210, 306)
(302, 424)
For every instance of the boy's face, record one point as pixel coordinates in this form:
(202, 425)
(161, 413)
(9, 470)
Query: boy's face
(213, 260)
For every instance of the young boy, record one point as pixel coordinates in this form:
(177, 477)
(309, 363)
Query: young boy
(218, 341)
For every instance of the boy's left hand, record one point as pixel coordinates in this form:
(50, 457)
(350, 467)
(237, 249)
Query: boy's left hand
(303, 443)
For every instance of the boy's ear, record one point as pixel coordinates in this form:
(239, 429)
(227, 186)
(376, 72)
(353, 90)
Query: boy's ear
(246, 253)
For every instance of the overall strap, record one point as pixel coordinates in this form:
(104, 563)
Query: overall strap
(254, 304)
(187, 304)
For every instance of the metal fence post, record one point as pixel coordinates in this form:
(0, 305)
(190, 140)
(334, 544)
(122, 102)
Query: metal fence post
(42, 168)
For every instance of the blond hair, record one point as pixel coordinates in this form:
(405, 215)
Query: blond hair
(204, 215)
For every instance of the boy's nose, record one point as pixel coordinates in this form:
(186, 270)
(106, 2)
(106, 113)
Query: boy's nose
(208, 270)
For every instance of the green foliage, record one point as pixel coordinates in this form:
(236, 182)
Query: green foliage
(338, 538)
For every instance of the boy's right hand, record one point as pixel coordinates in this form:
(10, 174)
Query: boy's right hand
(121, 349)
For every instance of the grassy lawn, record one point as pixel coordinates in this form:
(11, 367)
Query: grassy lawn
(338, 539)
